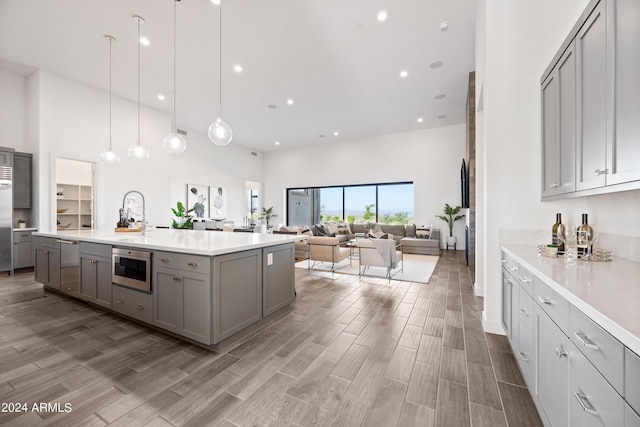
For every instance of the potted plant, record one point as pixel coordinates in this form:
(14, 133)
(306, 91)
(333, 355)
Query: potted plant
(267, 214)
(182, 215)
(450, 217)
(22, 223)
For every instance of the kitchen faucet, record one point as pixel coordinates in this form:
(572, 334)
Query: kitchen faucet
(144, 218)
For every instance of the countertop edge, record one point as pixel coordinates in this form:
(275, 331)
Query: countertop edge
(626, 337)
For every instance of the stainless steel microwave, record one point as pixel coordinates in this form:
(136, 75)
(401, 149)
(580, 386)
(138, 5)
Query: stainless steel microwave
(131, 268)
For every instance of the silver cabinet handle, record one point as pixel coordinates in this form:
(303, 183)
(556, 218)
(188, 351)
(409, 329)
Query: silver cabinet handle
(119, 301)
(554, 185)
(509, 281)
(586, 405)
(45, 252)
(504, 261)
(513, 268)
(524, 312)
(141, 307)
(560, 353)
(545, 300)
(69, 289)
(177, 279)
(192, 264)
(524, 279)
(164, 260)
(67, 242)
(586, 341)
(599, 172)
(523, 356)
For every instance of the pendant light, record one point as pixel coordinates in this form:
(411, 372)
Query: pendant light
(138, 152)
(109, 156)
(173, 142)
(220, 133)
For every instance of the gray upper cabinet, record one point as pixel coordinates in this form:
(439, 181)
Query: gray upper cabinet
(559, 127)
(6, 158)
(623, 154)
(591, 55)
(22, 180)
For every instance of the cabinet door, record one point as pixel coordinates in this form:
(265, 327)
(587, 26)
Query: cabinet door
(196, 307)
(552, 380)
(526, 353)
(237, 292)
(591, 55)
(54, 269)
(278, 278)
(103, 282)
(515, 332)
(23, 254)
(6, 158)
(21, 181)
(550, 135)
(42, 265)
(507, 286)
(623, 155)
(167, 299)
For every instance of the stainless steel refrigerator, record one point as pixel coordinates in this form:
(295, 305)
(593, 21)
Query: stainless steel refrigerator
(6, 217)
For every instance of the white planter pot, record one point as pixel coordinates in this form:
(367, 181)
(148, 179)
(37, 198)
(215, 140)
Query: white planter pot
(451, 240)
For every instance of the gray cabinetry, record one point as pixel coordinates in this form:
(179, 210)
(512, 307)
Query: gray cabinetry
(559, 127)
(237, 292)
(22, 180)
(95, 273)
(181, 297)
(507, 290)
(6, 158)
(277, 277)
(133, 303)
(632, 379)
(623, 154)
(526, 352)
(23, 249)
(47, 258)
(591, 55)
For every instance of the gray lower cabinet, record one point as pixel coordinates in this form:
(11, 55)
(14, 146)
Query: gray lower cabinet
(278, 277)
(552, 347)
(182, 303)
(47, 258)
(631, 418)
(23, 253)
(237, 292)
(132, 303)
(526, 354)
(95, 274)
(507, 311)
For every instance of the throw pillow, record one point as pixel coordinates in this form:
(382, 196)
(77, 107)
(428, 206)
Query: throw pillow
(305, 230)
(343, 229)
(318, 230)
(378, 235)
(423, 231)
(410, 230)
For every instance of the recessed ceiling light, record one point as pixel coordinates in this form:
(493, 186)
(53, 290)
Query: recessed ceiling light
(289, 101)
(420, 120)
(382, 15)
(272, 106)
(336, 133)
(237, 68)
(403, 74)
(277, 142)
(436, 64)
(441, 96)
(444, 26)
(321, 136)
(444, 116)
(216, 2)
(161, 97)
(144, 41)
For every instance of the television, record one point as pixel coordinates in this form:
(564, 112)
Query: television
(464, 185)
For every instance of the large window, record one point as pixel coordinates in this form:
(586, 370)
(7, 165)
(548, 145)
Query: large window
(388, 203)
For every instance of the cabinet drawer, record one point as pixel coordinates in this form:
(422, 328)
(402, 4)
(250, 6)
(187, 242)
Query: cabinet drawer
(136, 304)
(603, 351)
(511, 265)
(186, 262)
(552, 303)
(631, 419)
(525, 278)
(22, 236)
(632, 379)
(592, 401)
(96, 249)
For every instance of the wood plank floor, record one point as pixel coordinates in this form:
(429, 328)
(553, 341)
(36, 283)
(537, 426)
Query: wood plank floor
(351, 352)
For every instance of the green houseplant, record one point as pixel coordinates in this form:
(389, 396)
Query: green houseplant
(267, 214)
(450, 217)
(183, 216)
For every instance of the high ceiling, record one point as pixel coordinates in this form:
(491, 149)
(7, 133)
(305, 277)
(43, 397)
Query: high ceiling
(333, 58)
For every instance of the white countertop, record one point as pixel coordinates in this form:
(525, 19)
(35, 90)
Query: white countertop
(607, 292)
(25, 229)
(199, 242)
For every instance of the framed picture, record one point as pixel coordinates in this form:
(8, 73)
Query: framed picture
(197, 199)
(218, 201)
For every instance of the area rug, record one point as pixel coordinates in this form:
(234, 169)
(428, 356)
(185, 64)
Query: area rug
(417, 268)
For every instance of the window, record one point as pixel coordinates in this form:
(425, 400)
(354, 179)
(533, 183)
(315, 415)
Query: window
(360, 203)
(331, 208)
(395, 204)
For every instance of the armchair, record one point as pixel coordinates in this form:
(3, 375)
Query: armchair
(380, 253)
(326, 249)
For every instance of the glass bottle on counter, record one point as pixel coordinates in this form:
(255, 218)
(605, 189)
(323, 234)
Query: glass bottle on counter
(584, 236)
(557, 231)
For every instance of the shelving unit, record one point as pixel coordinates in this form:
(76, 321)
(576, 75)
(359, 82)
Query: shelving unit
(74, 207)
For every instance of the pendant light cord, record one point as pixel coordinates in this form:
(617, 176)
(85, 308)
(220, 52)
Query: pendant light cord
(110, 95)
(175, 125)
(139, 81)
(220, 76)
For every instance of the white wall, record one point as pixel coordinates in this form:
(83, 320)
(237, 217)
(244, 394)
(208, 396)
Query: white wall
(430, 158)
(521, 39)
(73, 172)
(13, 111)
(72, 121)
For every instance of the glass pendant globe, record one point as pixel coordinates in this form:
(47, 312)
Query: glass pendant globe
(109, 156)
(174, 143)
(220, 133)
(138, 152)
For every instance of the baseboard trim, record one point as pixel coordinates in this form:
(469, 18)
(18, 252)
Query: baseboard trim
(492, 326)
(478, 290)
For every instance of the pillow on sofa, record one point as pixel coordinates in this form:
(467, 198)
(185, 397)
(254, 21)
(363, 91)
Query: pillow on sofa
(318, 230)
(343, 228)
(410, 230)
(378, 235)
(303, 229)
(423, 231)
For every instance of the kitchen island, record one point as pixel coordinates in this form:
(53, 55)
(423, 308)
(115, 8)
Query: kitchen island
(211, 288)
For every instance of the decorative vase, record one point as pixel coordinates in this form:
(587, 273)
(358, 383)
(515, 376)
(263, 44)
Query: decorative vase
(451, 240)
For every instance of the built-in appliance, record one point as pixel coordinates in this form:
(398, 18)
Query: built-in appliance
(69, 266)
(6, 217)
(131, 268)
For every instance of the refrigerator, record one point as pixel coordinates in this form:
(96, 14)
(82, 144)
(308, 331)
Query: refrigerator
(6, 218)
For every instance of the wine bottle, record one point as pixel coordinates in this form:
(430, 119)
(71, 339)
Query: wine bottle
(584, 234)
(557, 231)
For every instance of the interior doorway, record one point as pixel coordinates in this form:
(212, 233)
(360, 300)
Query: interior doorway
(74, 195)
(252, 201)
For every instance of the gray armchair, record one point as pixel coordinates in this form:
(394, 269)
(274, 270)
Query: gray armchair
(326, 249)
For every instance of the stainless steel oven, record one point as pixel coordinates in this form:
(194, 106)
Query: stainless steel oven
(131, 268)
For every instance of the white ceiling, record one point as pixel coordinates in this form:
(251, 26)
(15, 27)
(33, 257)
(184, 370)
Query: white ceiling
(339, 64)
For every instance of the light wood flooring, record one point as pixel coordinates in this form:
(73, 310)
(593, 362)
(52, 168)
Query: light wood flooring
(351, 352)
